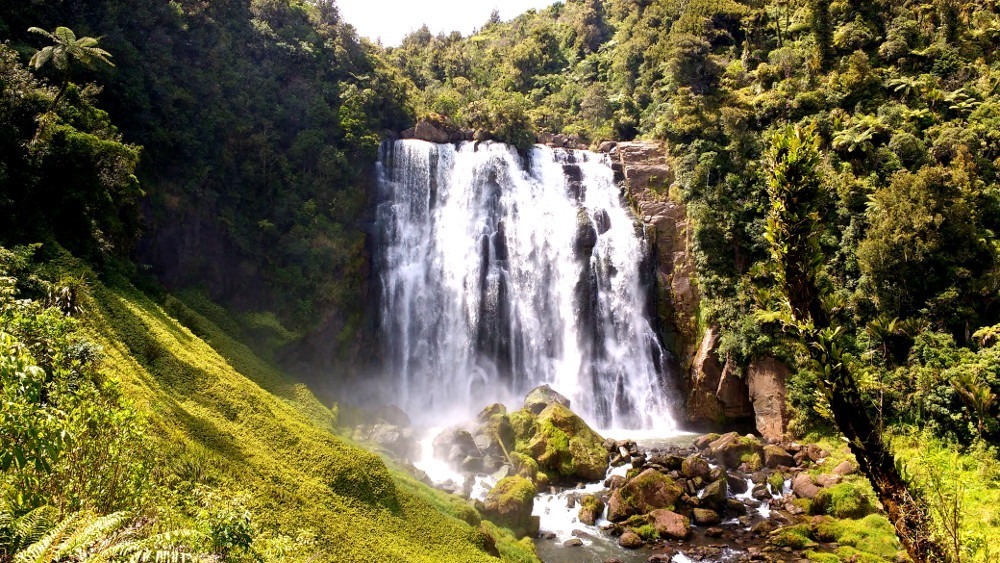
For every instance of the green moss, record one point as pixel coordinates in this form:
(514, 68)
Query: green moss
(817, 557)
(647, 532)
(565, 446)
(777, 481)
(523, 423)
(509, 504)
(795, 537)
(872, 534)
(850, 499)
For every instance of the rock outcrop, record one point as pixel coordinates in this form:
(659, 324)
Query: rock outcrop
(766, 379)
(509, 504)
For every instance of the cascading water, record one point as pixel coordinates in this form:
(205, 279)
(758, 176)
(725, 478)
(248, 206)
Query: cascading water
(497, 277)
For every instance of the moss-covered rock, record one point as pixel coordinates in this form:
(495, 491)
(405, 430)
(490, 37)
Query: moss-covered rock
(731, 450)
(564, 445)
(795, 537)
(591, 509)
(648, 491)
(543, 396)
(509, 504)
(846, 500)
(874, 535)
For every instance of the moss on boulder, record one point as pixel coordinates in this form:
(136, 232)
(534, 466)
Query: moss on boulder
(846, 500)
(565, 446)
(509, 504)
(648, 491)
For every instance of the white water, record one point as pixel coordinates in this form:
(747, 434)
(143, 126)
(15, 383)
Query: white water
(486, 293)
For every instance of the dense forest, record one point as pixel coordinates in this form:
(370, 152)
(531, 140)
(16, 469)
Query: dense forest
(186, 189)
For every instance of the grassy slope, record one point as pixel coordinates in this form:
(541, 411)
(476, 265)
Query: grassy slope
(226, 424)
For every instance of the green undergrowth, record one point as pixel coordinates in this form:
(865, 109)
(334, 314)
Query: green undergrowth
(962, 487)
(231, 429)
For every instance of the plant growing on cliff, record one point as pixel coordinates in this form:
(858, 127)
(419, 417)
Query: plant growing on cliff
(66, 52)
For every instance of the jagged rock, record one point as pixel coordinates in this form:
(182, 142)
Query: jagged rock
(811, 452)
(761, 492)
(407, 133)
(844, 468)
(702, 442)
(602, 221)
(564, 444)
(669, 524)
(695, 466)
(766, 379)
(705, 517)
(509, 504)
(543, 396)
(427, 131)
(737, 485)
(650, 490)
(776, 456)
(669, 462)
(591, 509)
(803, 486)
(490, 411)
(731, 450)
(630, 540)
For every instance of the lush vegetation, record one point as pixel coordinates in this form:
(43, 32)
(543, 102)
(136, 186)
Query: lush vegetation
(115, 404)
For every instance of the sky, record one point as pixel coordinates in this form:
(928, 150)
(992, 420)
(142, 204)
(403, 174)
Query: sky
(390, 20)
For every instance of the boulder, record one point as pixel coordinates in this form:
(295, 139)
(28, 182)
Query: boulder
(695, 466)
(573, 542)
(844, 468)
(509, 504)
(766, 379)
(670, 525)
(828, 480)
(486, 414)
(591, 509)
(543, 396)
(731, 450)
(427, 131)
(391, 414)
(776, 456)
(606, 146)
(706, 517)
(565, 445)
(602, 221)
(630, 540)
(715, 494)
(803, 486)
(647, 491)
(454, 445)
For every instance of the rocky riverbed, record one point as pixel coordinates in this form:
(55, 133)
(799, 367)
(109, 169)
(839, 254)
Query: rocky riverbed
(542, 472)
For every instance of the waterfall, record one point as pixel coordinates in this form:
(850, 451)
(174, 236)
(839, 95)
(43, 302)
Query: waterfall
(498, 274)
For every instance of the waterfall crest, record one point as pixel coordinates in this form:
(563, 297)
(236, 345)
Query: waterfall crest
(496, 277)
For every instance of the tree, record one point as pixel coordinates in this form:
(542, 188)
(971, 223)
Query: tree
(806, 300)
(67, 52)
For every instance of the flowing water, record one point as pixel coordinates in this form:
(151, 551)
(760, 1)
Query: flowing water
(500, 273)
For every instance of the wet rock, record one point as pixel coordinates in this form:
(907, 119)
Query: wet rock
(575, 542)
(705, 517)
(702, 442)
(715, 494)
(669, 524)
(591, 509)
(495, 409)
(737, 485)
(509, 504)
(776, 456)
(648, 491)
(606, 146)
(630, 540)
(803, 486)
(714, 532)
(586, 235)
(695, 466)
(669, 462)
(763, 527)
(543, 396)
(761, 492)
(735, 506)
(602, 221)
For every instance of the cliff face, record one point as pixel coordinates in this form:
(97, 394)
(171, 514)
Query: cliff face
(715, 392)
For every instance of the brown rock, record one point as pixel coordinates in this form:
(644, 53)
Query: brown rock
(766, 379)
(647, 491)
(695, 466)
(731, 450)
(714, 532)
(803, 486)
(776, 456)
(669, 524)
(844, 468)
(606, 146)
(828, 480)
(704, 517)
(630, 540)
(426, 131)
